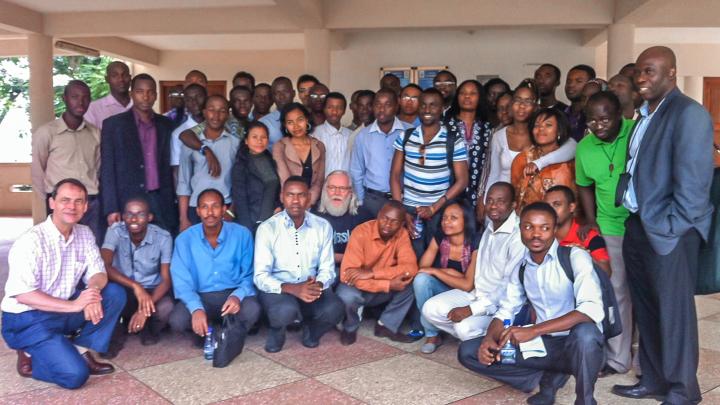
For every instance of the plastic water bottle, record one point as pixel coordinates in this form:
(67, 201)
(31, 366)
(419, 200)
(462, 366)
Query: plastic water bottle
(418, 227)
(209, 346)
(508, 352)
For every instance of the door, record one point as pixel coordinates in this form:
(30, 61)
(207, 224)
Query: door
(711, 101)
(171, 92)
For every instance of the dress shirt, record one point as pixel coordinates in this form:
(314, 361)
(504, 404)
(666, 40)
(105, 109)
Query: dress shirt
(139, 263)
(148, 142)
(284, 254)
(175, 142)
(630, 198)
(372, 155)
(59, 152)
(41, 259)
(551, 292)
(387, 260)
(272, 121)
(105, 107)
(232, 126)
(336, 146)
(499, 252)
(198, 268)
(193, 176)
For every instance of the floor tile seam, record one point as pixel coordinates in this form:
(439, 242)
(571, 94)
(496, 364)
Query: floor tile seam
(464, 370)
(711, 389)
(263, 354)
(479, 393)
(390, 356)
(343, 392)
(149, 387)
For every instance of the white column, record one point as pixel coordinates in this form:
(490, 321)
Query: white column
(40, 58)
(317, 54)
(694, 88)
(620, 48)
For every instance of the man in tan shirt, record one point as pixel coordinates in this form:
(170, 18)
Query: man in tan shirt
(378, 267)
(69, 147)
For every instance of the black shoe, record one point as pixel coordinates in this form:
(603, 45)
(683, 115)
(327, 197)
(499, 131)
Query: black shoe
(382, 331)
(347, 338)
(308, 337)
(117, 342)
(148, 338)
(294, 327)
(550, 383)
(254, 330)
(275, 340)
(636, 391)
(607, 371)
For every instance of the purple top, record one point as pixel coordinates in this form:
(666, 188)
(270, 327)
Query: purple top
(577, 123)
(148, 142)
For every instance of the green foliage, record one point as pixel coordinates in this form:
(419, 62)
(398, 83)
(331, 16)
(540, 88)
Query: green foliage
(11, 86)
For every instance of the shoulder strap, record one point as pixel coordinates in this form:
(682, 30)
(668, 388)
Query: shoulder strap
(406, 137)
(521, 274)
(563, 253)
(451, 136)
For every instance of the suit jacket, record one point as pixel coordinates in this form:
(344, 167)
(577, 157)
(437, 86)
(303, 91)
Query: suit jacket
(674, 172)
(289, 164)
(122, 172)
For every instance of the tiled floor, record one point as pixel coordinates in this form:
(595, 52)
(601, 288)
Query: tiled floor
(373, 371)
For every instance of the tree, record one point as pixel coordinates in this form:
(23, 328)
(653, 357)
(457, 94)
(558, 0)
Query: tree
(11, 84)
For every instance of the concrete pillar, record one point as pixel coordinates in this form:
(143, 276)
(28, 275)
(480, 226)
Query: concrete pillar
(317, 54)
(620, 47)
(694, 88)
(40, 58)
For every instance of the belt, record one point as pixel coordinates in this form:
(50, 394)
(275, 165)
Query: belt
(379, 193)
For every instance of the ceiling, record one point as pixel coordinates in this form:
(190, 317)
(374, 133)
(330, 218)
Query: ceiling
(53, 6)
(270, 41)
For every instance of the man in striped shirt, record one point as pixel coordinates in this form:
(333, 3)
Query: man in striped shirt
(429, 168)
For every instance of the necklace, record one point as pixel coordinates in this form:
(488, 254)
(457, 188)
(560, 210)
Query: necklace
(611, 158)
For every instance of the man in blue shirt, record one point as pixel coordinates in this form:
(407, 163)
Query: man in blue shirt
(295, 269)
(137, 256)
(282, 94)
(212, 270)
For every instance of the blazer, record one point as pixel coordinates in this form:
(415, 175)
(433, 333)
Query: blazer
(122, 171)
(674, 172)
(248, 190)
(289, 164)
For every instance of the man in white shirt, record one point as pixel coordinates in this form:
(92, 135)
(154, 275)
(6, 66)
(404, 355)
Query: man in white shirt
(333, 135)
(42, 304)
(117, 76)
(467, 314)
(568, 318)
(295, 269)
(194, 97)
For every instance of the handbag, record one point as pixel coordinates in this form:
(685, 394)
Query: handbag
(708, 275)
(230, 340)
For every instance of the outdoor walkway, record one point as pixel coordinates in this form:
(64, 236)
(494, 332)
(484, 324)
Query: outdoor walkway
(373, 371)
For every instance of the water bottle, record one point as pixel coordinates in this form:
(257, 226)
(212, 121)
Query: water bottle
(418, 227)
(209, 346)
(508, 352)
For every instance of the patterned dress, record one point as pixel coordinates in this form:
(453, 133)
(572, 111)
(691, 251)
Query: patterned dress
(477, 149)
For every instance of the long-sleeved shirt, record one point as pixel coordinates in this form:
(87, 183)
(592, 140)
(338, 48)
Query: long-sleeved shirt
(387, 260)
(197, 267)
(285, 254)
(551, 292)
(372, 155)
(105, 107)
(499, 252)
(336, 146)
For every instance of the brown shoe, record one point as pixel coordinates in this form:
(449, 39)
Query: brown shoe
(24, 364)
(382, 331)
(95, 367)
(347, 338)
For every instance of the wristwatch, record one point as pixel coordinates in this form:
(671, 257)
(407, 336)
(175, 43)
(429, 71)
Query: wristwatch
(203, 149)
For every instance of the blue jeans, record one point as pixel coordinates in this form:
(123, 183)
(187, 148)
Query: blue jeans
(43, 334)
(426, 287)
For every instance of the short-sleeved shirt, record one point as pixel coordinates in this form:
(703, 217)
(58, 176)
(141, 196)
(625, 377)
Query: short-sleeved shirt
(139, 263)
(424, 184)
(343, 226)
(594, 243)
(592, 167)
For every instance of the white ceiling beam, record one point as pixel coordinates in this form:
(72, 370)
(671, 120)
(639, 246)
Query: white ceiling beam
(20, 19)
(13, 47)
(121, 48)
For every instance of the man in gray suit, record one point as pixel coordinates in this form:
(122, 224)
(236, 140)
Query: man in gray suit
(666, 188)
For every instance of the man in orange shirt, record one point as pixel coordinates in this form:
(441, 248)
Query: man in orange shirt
(378, 267)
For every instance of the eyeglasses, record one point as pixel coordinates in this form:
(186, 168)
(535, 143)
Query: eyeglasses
(603, 121)
(446, 83)
(318, 96)
(335, 189)
(138, 215)
(409, 98)
(524, 101)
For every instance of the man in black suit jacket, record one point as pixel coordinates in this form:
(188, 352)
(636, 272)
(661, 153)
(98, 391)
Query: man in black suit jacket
(135, 158)
(670, 168)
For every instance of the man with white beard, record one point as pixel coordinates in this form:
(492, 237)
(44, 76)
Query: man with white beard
(339, 206)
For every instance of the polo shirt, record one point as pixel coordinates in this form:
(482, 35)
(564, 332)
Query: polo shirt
(592, 167)
(593, 242)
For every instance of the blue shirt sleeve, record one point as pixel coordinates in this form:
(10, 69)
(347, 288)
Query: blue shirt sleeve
(246, 288)
(182, 279)
(111, 238)
(166, 249)
(357, 167)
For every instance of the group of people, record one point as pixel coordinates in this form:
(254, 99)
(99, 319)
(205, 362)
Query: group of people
(478, 211)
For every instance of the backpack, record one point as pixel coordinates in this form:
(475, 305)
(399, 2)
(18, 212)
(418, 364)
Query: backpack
(611, 323)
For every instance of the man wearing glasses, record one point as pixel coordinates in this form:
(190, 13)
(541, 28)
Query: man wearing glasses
(316, 102)
(410, 105)
(446, 83)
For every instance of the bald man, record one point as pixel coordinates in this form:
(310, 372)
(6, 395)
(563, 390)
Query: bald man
(666, 188)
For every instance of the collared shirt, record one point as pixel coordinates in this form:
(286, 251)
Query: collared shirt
(426, 174)
(387, 260)
(372, 156)
(41, 259)
(232, 126)
(592, 167)
(148, 143)
(140, 263)
(551, 292)
(284, 254)
(416, 122)
(336, 146)
(197, 267)
(59, 152)
(630, 198)
(175, 142)
(272, 121)
(103, 108)
(499, 252)
(193, 176)
(593, 242)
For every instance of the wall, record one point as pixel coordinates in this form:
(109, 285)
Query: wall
(14, 204)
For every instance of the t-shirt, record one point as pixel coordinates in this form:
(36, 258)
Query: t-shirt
(343, 225)
(593, 242)
(592, 167)
(424, 184)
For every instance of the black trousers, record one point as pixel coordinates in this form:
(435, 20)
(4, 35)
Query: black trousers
(662, 289)
(320, 315)
(181, 319)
